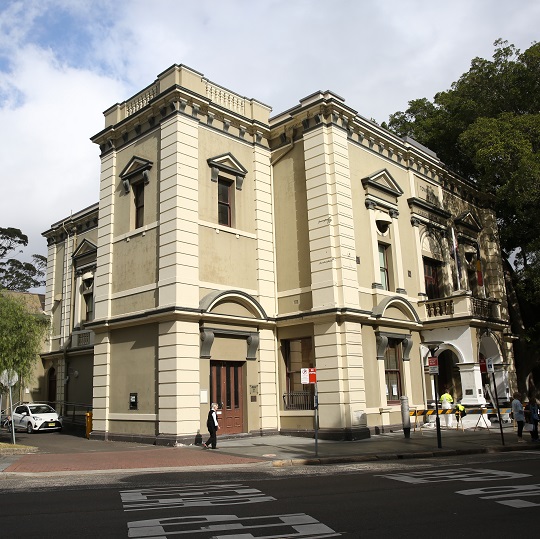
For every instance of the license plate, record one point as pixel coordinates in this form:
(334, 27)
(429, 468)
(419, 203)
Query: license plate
(51, 424)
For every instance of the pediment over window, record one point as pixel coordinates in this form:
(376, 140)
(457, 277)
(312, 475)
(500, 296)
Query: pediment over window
(383, 181)
(84, 249)
(227, 164)
(468, 220)
(137, 169)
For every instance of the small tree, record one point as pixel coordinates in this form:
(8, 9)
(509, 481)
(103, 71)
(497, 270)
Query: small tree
(22, 331)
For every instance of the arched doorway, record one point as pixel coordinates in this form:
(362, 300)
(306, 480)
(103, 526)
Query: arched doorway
(449, 376)
(489, 348)
(51, 392)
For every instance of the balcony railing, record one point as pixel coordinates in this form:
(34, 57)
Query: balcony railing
(463, 305)
(298, 400)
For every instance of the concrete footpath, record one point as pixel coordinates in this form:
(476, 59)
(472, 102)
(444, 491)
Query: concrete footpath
(69, 453)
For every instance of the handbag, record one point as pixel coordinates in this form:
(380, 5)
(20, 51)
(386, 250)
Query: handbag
(527, 427)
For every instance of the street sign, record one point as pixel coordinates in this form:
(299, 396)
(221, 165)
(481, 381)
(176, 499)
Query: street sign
(483, 366)
(489, 365)
(8, 379)
(433, 363)
(308, 376)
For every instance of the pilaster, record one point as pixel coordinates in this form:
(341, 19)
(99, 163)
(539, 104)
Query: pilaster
(330, 218)
(102, 382)
(103, 276)
(264, 230)
(268, 397)
(471, 384)
(179, 211)
(178, 378)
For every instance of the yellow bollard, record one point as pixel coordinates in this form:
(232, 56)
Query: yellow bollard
(88, 424)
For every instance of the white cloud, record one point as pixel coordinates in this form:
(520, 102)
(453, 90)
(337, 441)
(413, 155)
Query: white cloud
(62, 62)
(49, 165)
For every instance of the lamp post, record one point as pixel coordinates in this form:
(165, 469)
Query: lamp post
(433, 346)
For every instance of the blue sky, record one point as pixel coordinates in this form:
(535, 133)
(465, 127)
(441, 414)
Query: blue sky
(63, 62)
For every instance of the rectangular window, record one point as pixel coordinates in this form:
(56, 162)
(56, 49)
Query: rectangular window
(432, 278)
(383, 266)
(138, 193)
(224, 202)
(298, 354)
(392, 371)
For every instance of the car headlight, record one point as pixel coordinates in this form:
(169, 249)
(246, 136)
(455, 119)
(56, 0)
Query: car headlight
(36, 418)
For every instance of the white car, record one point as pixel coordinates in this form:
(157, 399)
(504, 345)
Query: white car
(36, 417)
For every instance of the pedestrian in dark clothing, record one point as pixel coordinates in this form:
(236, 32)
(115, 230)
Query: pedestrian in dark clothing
(519, 415)
(213, 426)
(532, 416)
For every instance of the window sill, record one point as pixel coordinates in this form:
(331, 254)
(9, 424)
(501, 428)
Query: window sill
(138, 231)
(227, 229)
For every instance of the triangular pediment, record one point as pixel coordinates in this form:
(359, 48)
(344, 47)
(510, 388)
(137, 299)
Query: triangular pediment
(136, 165)
(227, 163)
(382, 180)
(85, 248)
(468, 220)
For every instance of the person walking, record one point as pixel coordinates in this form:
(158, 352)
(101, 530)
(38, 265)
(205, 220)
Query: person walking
(446, 404)
(519, 415)
(533, 417)
(213, 426)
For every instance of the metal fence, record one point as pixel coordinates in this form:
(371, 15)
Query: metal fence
(298, 400)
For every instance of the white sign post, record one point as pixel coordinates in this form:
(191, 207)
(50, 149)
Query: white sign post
(309, 376)
(9, 379)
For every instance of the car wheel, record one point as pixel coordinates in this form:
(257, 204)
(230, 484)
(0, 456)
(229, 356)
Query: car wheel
(29, 428)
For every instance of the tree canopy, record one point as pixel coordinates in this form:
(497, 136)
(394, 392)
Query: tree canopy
(14, 274)
(486, 127)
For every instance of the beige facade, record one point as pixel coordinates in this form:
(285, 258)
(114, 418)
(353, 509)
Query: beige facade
(230, 250)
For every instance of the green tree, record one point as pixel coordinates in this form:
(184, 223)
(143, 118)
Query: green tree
(14, 274)
(22, 331)
(486, 127)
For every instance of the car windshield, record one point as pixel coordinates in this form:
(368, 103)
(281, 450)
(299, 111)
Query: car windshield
(42, 409)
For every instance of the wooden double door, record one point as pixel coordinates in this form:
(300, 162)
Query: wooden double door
(227, 389)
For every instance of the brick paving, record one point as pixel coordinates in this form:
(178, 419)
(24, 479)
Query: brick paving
(170, 457)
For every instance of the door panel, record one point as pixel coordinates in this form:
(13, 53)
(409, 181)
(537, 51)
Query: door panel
(226, 388)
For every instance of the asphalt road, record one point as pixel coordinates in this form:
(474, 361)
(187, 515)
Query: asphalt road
(477, 496)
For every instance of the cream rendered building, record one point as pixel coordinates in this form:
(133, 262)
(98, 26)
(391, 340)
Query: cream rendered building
(230, 250)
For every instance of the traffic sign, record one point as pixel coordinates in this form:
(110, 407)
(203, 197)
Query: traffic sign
(433, 363)
(489, 365)
(483, 366)
(8, 378)
(308, 376)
